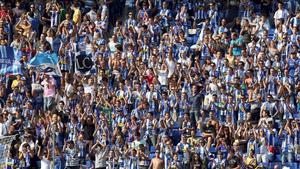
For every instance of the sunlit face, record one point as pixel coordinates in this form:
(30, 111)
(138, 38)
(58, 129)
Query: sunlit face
(248, 116)
(167, 116)
(138, 87)
(80, 137)
(149, 116)
(211, 114)
(175, 157)
(54, 118)
(151, 87)
(32, 7)
(261, 132)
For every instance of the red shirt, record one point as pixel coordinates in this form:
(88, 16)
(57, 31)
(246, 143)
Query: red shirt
(149, 79)
(3, 13)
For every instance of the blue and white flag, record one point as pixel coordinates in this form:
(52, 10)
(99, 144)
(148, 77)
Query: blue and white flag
(47, 63)
(44, 58)
(50, 69)
(9, 61)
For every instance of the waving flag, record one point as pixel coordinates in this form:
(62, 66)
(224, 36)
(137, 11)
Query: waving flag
(50, 69)
(83, 63)
(47, 63)
(9, 61)
(44, 58)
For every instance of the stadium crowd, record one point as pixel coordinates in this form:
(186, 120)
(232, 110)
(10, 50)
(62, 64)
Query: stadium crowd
(173, 84)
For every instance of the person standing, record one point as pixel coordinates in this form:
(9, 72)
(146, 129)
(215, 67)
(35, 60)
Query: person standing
(71, 153)
(49, 91)
(196, 101)
(101, 154)
(281, 14)
(76, 14)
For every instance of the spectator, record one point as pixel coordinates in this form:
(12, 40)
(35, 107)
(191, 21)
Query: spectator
(174, 84)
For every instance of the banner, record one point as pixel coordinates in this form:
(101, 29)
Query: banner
(50, 69)
(83, 63)
(9, 61)
(5, 144)
(44, 58)
(47, 63)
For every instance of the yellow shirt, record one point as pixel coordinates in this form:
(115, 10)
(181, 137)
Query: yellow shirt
(15, 83)
(77, 16)
(249, 161)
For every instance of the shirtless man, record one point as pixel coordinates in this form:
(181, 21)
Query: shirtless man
(156, 162)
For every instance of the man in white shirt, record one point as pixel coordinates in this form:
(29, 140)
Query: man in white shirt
(130, 21)
(171, 64)
(268, 105)
(162, 75)
(151, 94)
(184, 60)
(281, 14)
(92, 14)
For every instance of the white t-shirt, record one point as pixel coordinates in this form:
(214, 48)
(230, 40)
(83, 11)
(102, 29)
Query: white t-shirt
(149, 94)
(162, 77)
(69, 89)
(50, 40)
(93, 15)
(45, 163)
(281, 14)
(171, 67)
(112, 46)
(213, 87)
(184, 61)
(88, 48)
(89, 89)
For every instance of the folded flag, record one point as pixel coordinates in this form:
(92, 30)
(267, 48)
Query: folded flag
(9, 61)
